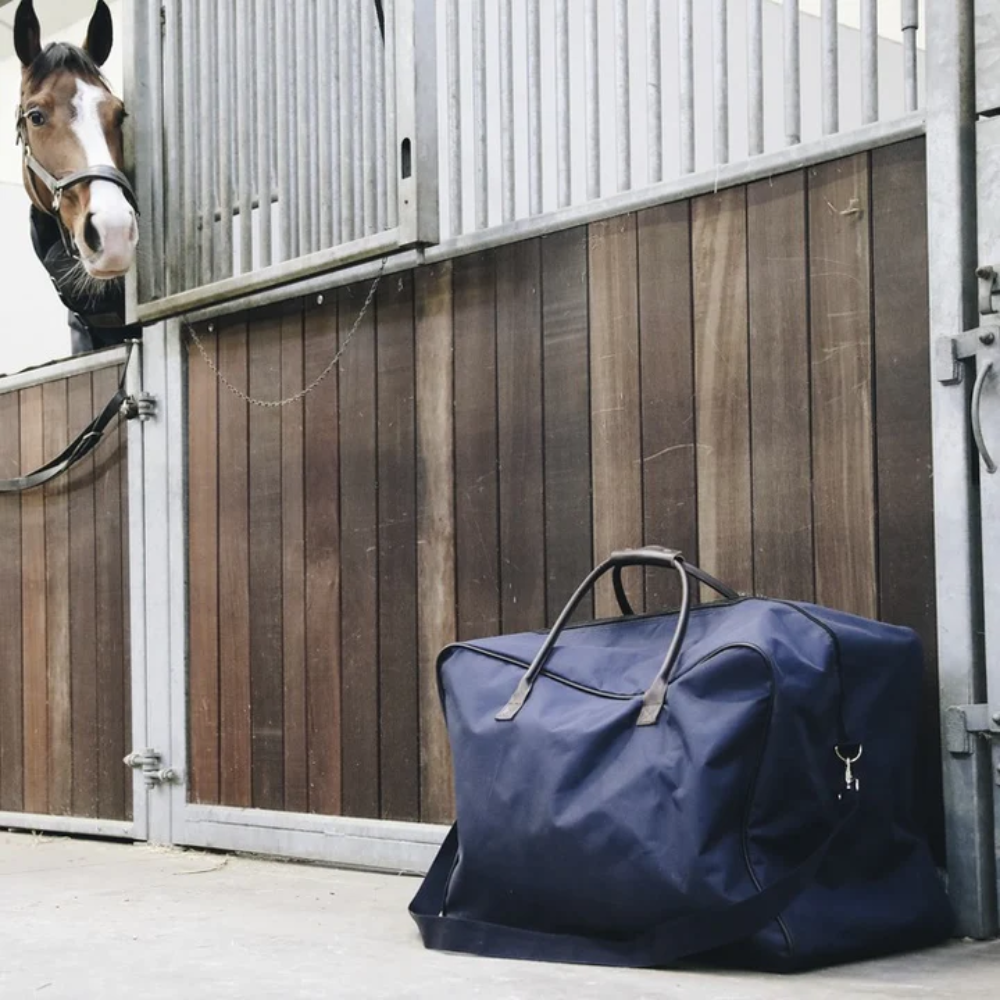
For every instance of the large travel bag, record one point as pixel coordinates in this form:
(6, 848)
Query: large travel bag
(733, 781)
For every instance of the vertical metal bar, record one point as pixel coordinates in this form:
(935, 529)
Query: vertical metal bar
(534, 109)
(325, 46)
(507, 110)
(284, 91)
(265, 127)
(911, 22)
(305, 88)
(593, 100)
(479, 121)
(686, 59)
(564, 167)
(357, 116)
(831, 68)
(369, 29)
(869, 61)
(951, 203)
(207, 127)
(378, 62)
(333, 115)
(391, 150)
(793, 75)
(654, 91)
(225, 131)
(191, 185)
(346, 108)
(623, 96)
(174, 181)
(755, 60)
(454, 121)
(245, 134)
(720, 50)
(312, 99)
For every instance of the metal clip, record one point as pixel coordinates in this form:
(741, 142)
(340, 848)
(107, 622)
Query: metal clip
(851, 783)
(987, 276)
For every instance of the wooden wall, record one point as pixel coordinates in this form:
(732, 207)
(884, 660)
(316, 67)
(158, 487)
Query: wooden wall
(65, 708)
(743, 376)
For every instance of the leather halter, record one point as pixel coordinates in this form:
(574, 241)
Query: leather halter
(58, 185)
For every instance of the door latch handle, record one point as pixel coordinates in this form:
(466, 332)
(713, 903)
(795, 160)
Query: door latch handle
(977, 425)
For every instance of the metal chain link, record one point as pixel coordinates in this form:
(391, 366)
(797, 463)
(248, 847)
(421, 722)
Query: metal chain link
(302, 393)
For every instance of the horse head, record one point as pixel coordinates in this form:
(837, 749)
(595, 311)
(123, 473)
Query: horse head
(69, 124)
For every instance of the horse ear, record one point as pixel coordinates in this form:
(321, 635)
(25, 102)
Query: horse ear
(27, 33)
(100, 34)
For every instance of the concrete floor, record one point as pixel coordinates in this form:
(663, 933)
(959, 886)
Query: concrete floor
(85, 919)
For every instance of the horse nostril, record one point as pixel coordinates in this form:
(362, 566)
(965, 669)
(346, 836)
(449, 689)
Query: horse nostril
(91, 235)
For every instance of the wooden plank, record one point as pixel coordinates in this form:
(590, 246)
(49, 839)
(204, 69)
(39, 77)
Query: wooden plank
(11, 691)
(265, 561)
(437, 624)
(235, 752)
(903, 435)
(359, 560)
(33, 612)
(615, 405)
(110, 600)
(399, 679)
(203, 572)
(722, 405)
(840, 319)
(293, 565)
(83, 608)
(565, 349)
(477, 540)
(779, 387)
(520, 436)
(60, 754)
(322, 531)
(670, 501)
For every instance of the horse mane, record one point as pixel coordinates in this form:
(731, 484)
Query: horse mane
(63, 56)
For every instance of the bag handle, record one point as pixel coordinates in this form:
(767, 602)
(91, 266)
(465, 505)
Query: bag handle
(653, 699)
(662, 945)
(693, 571)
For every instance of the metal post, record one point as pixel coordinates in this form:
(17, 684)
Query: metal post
(755, 15)
(325, 47)
(720, 52)
(226, 126)
(563, 162)
(793, 76)
(507, 109)
(391, 165)
(417, 120)
(534, 110)
(686, 54)
(207, 150)
(306, 178)
(369, 30)
(593, 96)
(357, 113)
(265, 125)
(623, 100)
(831, 68)
(345, 111)
(174, 181)
(245, 135)
(911, 22)
(454, 120)
(479, 120)
(869, 61)
(189, 143)
(951, 192)
(378, 67)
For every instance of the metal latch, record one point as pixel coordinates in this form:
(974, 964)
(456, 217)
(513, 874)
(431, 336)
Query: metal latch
(963, 722)
(141, 407)
(148, 761)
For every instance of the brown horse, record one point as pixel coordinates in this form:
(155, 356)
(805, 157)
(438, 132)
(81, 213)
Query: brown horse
(84, 211)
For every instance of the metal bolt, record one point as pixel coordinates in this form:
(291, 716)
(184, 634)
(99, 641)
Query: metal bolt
(211, 328)
(319, 300)
(985, 271)
(987, 338)
(996, 718)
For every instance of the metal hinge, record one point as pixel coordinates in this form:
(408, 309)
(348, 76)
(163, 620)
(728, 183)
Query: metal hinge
(963, 722)
(141, 407)
(148, 761)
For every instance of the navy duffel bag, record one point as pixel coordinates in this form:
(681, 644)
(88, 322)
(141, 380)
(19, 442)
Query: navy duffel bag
(733, 781)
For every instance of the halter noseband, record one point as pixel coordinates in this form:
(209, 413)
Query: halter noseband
(57, 186)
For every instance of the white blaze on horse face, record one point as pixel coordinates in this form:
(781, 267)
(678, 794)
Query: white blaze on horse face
(112, 215)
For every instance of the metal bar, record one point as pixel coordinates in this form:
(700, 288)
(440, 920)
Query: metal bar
(593, 100)
(285, 273)
(189, 143)
(623, 97)
(345, 108)
(534, 109)
(952, 256)
(507, 111)
(305, 91)
(720, 51)
(793, 74)
(357, 116)
(564, 165)
(207, 149)
(454, 120)
(831, 68)
(58, 370)
(265, 126)
(869, 61)
(174, 182)
(145, 132)
(314, 99)
(116, 829)
(325, 45)
(226, 126)
(911, 22)
(686, 59)
(286, 202)
(755, 15)
(378, 62)
(245, 134)
(369, 29)
(654, 92)
(479, 121)
(391, 148)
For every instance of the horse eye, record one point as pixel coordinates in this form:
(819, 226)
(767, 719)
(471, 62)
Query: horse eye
(36, 118)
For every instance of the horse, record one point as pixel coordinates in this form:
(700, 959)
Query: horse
(84, 212)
